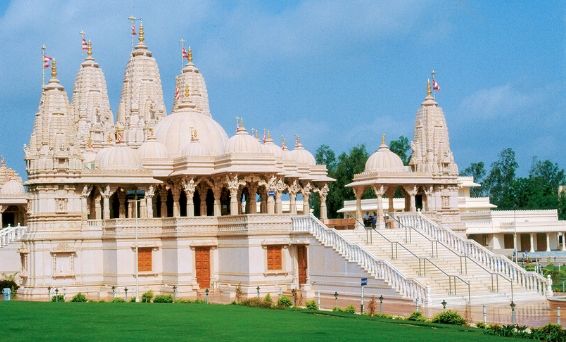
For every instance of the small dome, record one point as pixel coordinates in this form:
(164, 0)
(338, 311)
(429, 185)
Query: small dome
(152, 149)
(285, 153)
(12, 187)
(270, 147)
(301, 155)
(195, 148)
(118, 157)
(242, 142)
(384, 160)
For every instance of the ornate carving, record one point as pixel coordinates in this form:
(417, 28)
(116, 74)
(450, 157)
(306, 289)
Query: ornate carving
(189, 186)
(294, 188)
(150, 192)
(86, 191)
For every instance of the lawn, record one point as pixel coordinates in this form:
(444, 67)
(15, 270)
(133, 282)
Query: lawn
(28, 321)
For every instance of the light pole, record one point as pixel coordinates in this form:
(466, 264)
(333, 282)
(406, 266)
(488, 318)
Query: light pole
(515, 235)
(136, 212)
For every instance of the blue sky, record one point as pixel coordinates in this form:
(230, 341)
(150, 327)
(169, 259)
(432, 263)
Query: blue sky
(335, 72)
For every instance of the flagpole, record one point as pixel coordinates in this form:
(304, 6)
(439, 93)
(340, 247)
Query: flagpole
(43, 47)
(82, 40)
(182, 41)
(433, 73)
(132, 20)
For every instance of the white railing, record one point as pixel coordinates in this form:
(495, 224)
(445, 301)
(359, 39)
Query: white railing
(381, 269)
(470, 248)
(11, 234)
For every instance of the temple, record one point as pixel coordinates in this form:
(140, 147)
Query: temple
(174, 203)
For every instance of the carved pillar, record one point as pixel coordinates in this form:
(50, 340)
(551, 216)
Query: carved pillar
(122, 200)
(84, 204)
(189, 187)
(149, 201)
(358, 193)
(143, 208)
(293, 190)
(532, 235)
(176, 207)
(203, 191)
(323, 193)
(97, 207)
(278, 203)
(429, 198)
(163, 196)
(252, 191)
(413, 192)
(106, 199)
(548, 242)
(217, 191)
(239, 200)
(379, 192)
(271, 203)
(563, 241)
(391, 206)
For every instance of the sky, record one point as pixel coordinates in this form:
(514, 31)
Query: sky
(339, 73)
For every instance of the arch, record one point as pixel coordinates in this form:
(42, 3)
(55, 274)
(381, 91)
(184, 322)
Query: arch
(244, 197)
(157, 204)
(224, 202)
(209, 202)
(197, 202)
(169, 203)
(183, 204)
(115, 205)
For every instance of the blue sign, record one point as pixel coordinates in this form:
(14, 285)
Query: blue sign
(271, 193)
(364, 281)
(6, 292)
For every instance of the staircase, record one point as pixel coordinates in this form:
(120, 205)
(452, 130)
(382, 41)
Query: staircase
(522, 280)
(11, 234)
(434, 270)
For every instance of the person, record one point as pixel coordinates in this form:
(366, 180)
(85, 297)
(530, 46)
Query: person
(373, 220)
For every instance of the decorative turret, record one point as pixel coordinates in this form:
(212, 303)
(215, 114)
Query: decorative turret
(431, 144)
(190, 88)
(141, 100)
(91, 107)
(52, 143)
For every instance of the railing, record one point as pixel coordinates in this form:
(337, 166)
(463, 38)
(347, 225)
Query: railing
(379, 268)
(452, 285)
(11, 234)
(474, 251)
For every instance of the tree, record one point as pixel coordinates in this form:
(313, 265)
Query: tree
(499, 182)
(325, 155)
(402, 148)
(476, 170)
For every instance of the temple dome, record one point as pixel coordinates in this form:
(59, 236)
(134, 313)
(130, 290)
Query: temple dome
(384, 160)
(12, 187)
(174, 131)
(270, 147)
(301, 155)
(243, 142)
(152, 149)
(195, 148)
(118, 157)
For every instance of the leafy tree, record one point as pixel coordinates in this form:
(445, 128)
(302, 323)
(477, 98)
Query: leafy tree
(476, 170)
(402, 148)
(325, 155)
(499, 181)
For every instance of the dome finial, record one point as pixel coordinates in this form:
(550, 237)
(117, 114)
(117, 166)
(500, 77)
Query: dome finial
(428, 90)
(89, 48)
(297, 141)
(53, 68)
(383, 139)
(190, 55)
(141, 36)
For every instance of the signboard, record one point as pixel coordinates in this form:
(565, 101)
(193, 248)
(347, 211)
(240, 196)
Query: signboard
(364, 281)
(271, 193)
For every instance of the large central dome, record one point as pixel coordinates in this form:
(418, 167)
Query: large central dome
(175, 131)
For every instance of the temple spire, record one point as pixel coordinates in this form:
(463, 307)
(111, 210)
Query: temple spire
(141, 35)
(89, 48)
(53, 69)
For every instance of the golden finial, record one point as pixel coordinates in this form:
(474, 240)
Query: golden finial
(428, 90)
(187, 91)
(53, 68)
(190, 55)
(89, 48)
(283, 143)
(383, 139)
(141, 36)
(297, 141)
(256, 134)
(268, 135)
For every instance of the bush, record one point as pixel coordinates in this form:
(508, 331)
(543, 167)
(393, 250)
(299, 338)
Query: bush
(284, 302)
(311, 305)
(147, 297)
(482, 325)
(449, 317)
(255, 303)
(132, 299)
(79, 298)
(58, 298)
(239, 293)
(163, 299)
(550, 332)
(118, 300)
(350, 309)
(267, 299)
(183, 301)
(417, 316)
(9, 283)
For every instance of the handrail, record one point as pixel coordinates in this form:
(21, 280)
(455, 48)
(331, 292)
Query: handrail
(467, 283)
(352, 252)
(10, 234)
(474, 251)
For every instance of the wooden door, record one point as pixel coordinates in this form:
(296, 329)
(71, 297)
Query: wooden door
(202, 266)
(302, 261)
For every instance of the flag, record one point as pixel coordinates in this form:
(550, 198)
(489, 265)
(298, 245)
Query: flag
(46, 60)
(177, 93)
(133, 29)
(84, 45)
(435, 85)
(184, 53)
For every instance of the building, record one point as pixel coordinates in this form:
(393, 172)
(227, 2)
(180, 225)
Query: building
(171, 202)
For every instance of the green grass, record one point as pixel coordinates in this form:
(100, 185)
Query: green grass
(27, 321)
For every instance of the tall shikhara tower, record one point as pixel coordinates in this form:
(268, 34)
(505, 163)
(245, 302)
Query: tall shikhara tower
(141, 102)
(431, 144)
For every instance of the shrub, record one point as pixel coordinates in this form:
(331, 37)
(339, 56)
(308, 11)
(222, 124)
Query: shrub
(58, 298)
(482, 325)
(163, 299)
(79, 298)
(417, 316)
(550, 332)
(284, 302)
(118, 300)
(449, 317)
(255, 302)
(147, 296)
(267, 299)
(239, 293)
(372, 306)
(350, 309)
(132, 299)
(311, 305)
(183, 301)
(9, 283)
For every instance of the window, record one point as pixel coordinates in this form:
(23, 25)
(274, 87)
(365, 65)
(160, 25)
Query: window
(144, 259)
(274, 258)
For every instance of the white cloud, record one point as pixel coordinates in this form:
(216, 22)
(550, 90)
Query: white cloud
(497, 102)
